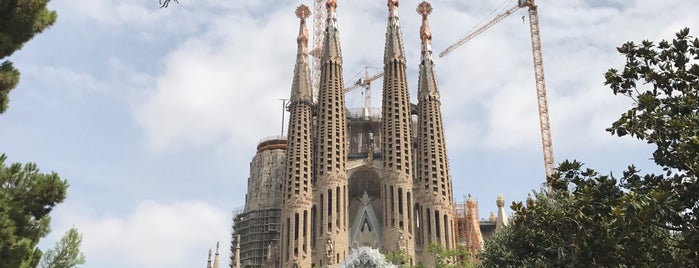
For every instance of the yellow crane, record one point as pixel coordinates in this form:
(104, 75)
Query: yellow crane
(544, 123)
(366, 83)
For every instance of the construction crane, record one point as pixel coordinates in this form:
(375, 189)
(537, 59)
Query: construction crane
(538, 72)
(319, 17)
(366, 83)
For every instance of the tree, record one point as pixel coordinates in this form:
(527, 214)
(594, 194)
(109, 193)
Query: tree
(449, 258)
(67, 253)
(587, 219)
(663, 82)
(594, 224)
(26, 199)
(397, 257)
(20, 21)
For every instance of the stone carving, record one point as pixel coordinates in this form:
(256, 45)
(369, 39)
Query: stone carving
(402, 243)
(365, 257)
(329, 247)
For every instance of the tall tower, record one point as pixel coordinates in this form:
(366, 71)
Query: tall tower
(396, 150)
(298, 192)
(434, 204)
(330, 152)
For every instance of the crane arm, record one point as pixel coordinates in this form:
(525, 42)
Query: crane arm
(542, 101)
(363, 82)
(352, 87)
(480, 30)
(371, 79)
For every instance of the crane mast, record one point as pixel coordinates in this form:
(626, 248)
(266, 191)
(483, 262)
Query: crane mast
(542, 100)
(318, 31)
(366, 83)
(537, 54)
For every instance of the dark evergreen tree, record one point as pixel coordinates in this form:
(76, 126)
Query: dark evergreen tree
(67, 253)
(26, 199)
(20, 21)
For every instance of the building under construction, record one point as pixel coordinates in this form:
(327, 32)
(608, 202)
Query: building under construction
(255, 236)
(347, 186)
(472, 231)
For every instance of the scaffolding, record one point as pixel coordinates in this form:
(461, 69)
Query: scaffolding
(467, 226)
(258, 231)
(256, 228)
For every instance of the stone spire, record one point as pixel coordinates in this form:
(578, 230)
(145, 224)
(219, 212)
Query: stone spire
(475, 238)
(502, 217)
(216, 258)
(432, 163)
(393, 50)
(331, 42)
(298, 197)
(396, 149)
(330, 153)
(301, 88)
(208, 261)
(427, 81)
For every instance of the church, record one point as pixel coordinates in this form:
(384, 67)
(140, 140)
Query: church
(345, 187)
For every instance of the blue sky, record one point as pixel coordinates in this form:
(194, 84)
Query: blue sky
(153, 115)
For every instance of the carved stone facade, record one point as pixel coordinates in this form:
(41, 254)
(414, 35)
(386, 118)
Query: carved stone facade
(361, 183)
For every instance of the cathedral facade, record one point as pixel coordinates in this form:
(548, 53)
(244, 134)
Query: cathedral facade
(352, 182)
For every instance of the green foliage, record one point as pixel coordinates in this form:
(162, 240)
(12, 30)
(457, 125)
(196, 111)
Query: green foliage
(449, 258)
(20, 21)
(397, 257)
(26, 199)
(67, 253)
(596, 224)
(587, 219)
(9, 77)
(663, 82)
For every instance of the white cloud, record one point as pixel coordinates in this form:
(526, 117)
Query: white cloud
(155, 234)
(222, 84)
(241, 65)
(65, 78)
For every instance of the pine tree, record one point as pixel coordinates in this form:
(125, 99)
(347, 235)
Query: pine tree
(20, 21)
(26, 199)
(67, 253)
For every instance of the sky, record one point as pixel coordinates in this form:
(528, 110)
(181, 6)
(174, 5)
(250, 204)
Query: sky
(153, 115)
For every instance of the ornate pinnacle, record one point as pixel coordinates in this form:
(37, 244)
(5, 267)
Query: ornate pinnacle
(392, 4)
(331, 8)
(500, 201)
(393, 8)
(331, 4)
(425, 9)
(302, 12)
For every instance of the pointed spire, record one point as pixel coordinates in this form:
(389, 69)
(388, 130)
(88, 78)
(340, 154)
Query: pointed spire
(331, 44)
(208, 261)
(427, 80)
(301, 87)
(302, 12)
(425, 9)
(394, 40)
(475, 243)
(216, 260)
(502, 217)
